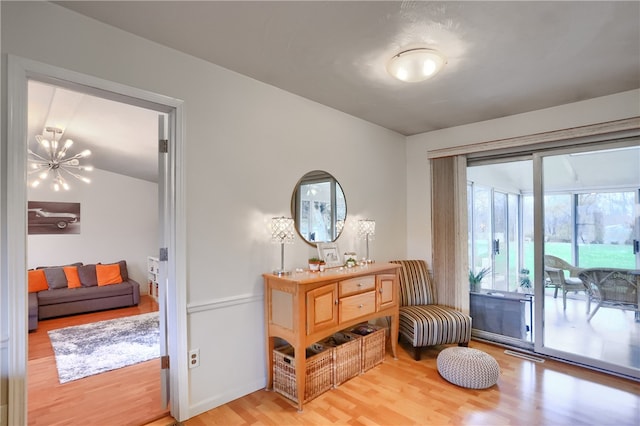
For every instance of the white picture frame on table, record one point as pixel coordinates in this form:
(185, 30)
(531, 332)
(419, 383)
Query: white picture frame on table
(330, 253)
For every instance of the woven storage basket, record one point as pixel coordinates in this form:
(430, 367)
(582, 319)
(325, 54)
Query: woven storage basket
(347, 361)
(319, 374)
(373, 344)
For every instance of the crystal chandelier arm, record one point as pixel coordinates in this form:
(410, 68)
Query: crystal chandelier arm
(38, 156)
(77, 176)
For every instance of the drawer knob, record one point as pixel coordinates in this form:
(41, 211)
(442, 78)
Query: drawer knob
(360, 306)
(336, 302)
(359, 284)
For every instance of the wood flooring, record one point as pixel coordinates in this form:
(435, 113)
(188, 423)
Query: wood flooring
(408, 392)
(127, 396)
(397, 392)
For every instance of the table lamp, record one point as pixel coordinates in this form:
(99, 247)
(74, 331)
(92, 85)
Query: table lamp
(367, 230)
(282, 233)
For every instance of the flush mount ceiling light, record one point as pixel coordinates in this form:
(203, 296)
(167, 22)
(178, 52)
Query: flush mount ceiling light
(54, 164)
(416, 65)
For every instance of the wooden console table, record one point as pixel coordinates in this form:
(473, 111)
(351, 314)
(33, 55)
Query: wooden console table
(306, 307)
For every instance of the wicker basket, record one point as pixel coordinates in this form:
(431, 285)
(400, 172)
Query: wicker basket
(347, 361)
(373, 344)
(319, 374)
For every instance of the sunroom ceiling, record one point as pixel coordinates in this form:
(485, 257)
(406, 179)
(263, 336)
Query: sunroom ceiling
(588, 171)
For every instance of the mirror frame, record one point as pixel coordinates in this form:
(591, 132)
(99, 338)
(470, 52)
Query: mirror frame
(318, 176)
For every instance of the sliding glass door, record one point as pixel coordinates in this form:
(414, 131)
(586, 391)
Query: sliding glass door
(590, 211)
(501, 306)
(559, 234)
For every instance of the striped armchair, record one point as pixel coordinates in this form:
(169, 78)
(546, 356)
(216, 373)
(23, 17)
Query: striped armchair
(422, 321)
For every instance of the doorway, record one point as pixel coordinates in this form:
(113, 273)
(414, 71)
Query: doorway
(117, 204)
(173, 236)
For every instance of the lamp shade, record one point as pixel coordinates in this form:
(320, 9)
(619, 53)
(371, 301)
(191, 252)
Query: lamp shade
(416, 65)
(367, 228)
(282, 230)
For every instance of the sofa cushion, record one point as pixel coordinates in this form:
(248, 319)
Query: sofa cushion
(56, 278)
(58, 266)
(73, 279)
(87, 274)
(124, 273)
(37, 281)
(66, 295)
(108, 274)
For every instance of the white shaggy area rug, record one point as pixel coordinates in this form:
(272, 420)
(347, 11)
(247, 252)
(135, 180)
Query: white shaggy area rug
(89, 349)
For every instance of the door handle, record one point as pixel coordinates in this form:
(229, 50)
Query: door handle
(636, 246)
(496, 246)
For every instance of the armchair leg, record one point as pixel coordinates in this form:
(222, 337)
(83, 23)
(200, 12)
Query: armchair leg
(416, 353)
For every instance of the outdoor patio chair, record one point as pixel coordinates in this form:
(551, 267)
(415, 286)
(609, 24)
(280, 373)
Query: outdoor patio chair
(612, 288)
(422, 321)
(555, 277)
(556, 262)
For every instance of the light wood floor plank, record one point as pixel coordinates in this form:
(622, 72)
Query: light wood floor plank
(127, 396)
(408, 392)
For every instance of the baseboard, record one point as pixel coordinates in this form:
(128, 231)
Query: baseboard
(228, 396)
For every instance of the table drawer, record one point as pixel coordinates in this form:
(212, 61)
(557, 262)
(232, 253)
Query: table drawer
(355, 306)
(357, 285)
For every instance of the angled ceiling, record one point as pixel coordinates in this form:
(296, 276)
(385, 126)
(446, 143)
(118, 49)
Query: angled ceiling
(122, 138)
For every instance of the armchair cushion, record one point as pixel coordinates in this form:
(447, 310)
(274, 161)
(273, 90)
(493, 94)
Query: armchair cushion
(416, 287)
(430, 325)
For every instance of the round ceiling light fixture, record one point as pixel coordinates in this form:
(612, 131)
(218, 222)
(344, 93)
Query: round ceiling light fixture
(416, 65)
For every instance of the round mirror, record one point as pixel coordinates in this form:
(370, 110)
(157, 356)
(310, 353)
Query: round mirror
(318, 207)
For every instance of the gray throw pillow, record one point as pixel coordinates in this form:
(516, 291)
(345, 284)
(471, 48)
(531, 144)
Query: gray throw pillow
(123, 270)
(87, 274)
(55, 278)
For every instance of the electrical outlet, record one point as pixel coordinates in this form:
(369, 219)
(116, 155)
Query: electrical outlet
(194, 358)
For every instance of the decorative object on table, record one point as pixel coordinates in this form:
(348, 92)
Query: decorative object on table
(468, 367)
(349, 255)
(314, 264)
(282, 232)
(94, 348)
(350, 262)
(475, 279)
(367, 230)
(322, 266)
(52, 163)
(330, 253)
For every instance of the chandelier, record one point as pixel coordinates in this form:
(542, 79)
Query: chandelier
(54, 164)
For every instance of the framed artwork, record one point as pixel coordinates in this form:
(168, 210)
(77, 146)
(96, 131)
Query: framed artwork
(45, 217)
(330, 253)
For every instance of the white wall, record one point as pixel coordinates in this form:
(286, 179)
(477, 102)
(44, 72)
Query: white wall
(599, 110)
(247, 144)
(118, 221)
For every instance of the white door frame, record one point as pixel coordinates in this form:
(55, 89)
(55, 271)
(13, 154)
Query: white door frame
(20, 70)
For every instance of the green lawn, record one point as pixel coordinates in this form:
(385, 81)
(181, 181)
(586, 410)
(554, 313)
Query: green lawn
(590, 256)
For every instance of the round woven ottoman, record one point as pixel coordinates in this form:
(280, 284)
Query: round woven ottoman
(467, 367)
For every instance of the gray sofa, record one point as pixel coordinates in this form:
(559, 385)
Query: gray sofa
(59, 300)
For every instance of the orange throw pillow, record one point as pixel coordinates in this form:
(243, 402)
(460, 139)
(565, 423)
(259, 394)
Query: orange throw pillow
(37, 281)
(108, 274)
(73, 279)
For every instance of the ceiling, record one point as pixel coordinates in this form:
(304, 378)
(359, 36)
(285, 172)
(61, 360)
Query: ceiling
(503, 58)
